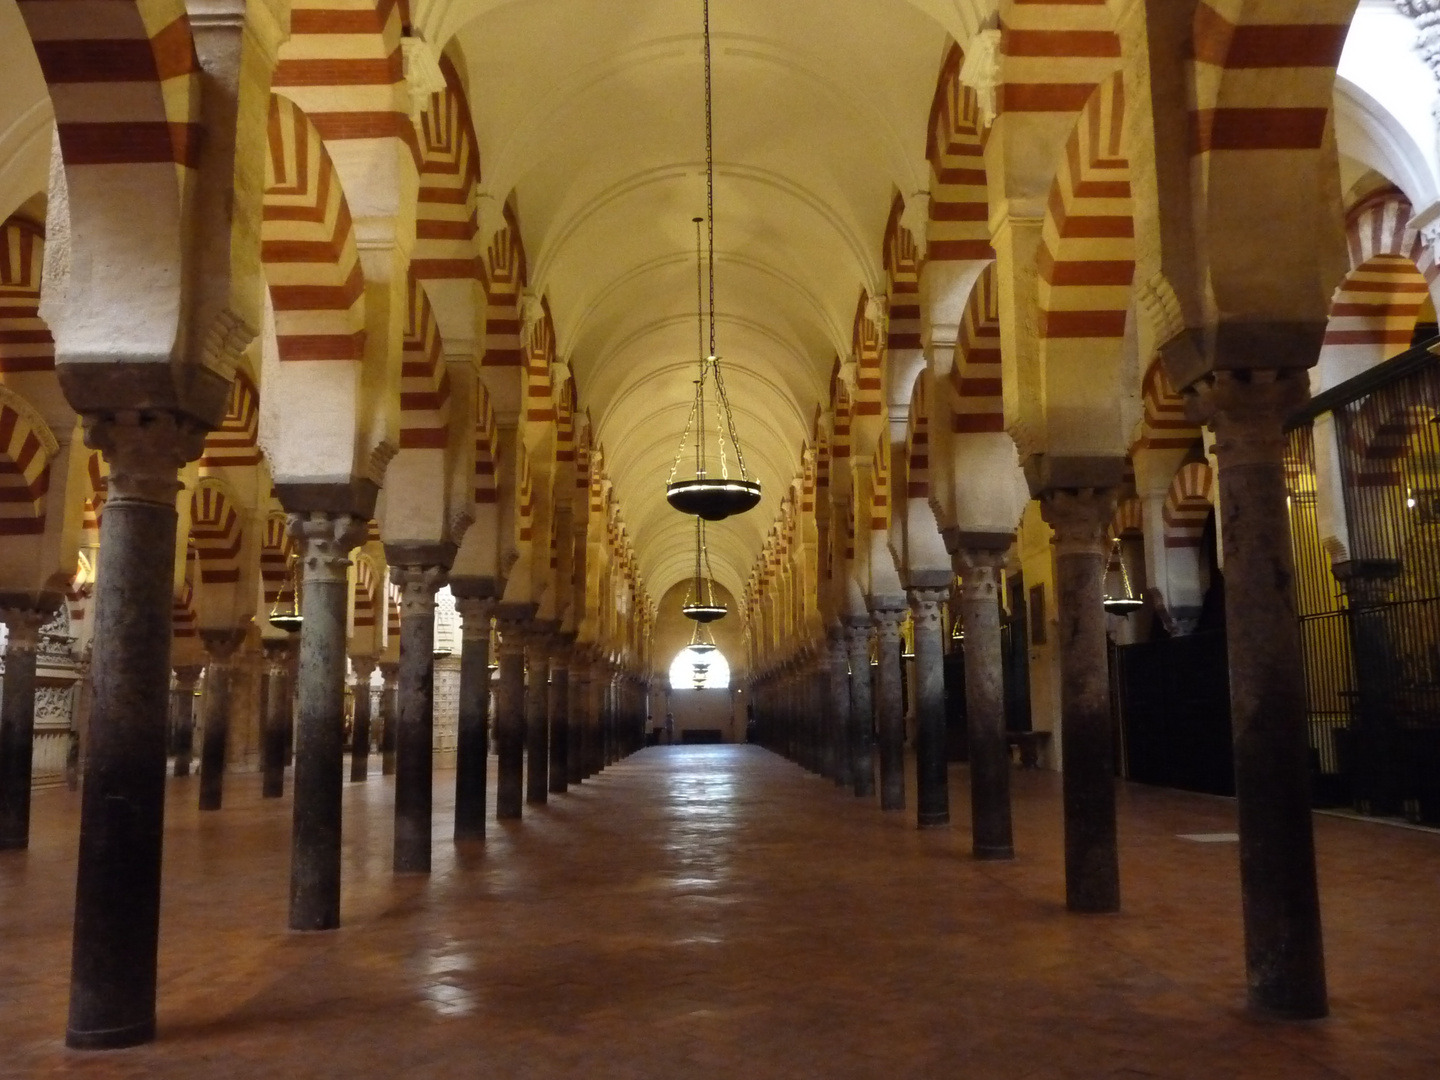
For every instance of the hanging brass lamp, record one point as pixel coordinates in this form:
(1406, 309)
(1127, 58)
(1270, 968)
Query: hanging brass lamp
(701, 604)
(705, 495)
(1125, 602)
(702, 642)
(287, 617)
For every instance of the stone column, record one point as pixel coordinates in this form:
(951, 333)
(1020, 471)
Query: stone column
(360, 727)
(862, 716)
(472, 746)
(277, 719)
(560, 719)
(577, 700)
(537, 719)
(890, 710)
(324, 541)
(220, 646)
(415, 733)
(17, 722)
(839, 678)
(117, 883)
(186, 679)
(1284, 947)
(389, 715)
(822, 714)
(932, 777)
(1092, 865)
(510, 721)
(991, 834)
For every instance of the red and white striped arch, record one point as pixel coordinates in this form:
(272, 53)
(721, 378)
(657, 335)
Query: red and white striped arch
(445, 227)
(1128, 519)
(24, 469)
(880, 489)
(1055, 52)
(367, 596)
(1188, 505)
(25, 341)
(869, 350)
(505, 279)
(1087, 254)
(344, 65)
(959, 224)
(486, 448)
(1392, 271)
(1166, 427)
(215, 533)
(184, 623)
(316, 283)
(902, 275)
(917, 445)
(276, 548)
(978, 405)
(236, 442)
(424, 379)
(539, 355)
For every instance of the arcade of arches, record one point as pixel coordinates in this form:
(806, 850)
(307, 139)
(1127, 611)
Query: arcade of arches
(384, 310)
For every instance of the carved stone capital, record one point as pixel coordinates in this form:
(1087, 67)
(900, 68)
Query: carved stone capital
(475, 616)
(887, 624)
(364, 667)
(1079, 519)
(277, 658)
(418, 586)
(326, 541)
(925, 607)
(979, 571)
(23, 626)
(390, 673)
(145, 452)
(1247, 411)
(187, 678)
(221, 645)
(513, 634)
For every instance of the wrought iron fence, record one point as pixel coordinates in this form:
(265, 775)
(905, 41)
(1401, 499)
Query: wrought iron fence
(1363, 469)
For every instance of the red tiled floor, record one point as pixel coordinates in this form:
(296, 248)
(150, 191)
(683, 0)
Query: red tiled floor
(715, 912)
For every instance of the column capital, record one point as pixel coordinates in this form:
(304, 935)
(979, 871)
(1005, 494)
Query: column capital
(390, 672)
(221, 645)
(979, 571)
(925, 607)
(364, 667)
(277, 657)
(326, 540)
(475, 616)
(418, 584)
(22, 625)
(1079, 519)
(145, 451)
(187, 677)
(888, 621)
(1247, 411)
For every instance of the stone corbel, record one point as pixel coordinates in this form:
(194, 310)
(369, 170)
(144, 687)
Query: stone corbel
(981, 72)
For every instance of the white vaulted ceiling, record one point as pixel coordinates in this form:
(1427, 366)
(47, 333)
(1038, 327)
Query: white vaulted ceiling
(591, 113)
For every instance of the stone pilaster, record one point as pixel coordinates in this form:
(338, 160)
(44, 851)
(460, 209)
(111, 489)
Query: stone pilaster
(890, 709)
(277, 718)
(360, 723)
(186, 680)
(415, 733)
(117, 883)
(17, 722)
(325, 541)
(991, 832)
(1092, 866)
(932, 781)
(472, 750)
(1284, 948)
(862, 714)
(220, 647)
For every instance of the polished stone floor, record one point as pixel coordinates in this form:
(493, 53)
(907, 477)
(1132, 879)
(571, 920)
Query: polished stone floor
(716, 912)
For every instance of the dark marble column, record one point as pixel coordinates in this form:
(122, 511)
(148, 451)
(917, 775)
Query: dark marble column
(890, 710)
(1092, 865)
(862, 715)
(1284, 946)
(17, 722)
(415, 733)
(186, 680)
(220, 646)
(277, 719)
(560, 719)
(991, 834)
(324, 541)
(360, 726)
(389, 715)
(822, 715)
(117, 882)
(579, 701)
(838, 673)
(472, 744)
(537, 719)
(510, 721)
(932, 777)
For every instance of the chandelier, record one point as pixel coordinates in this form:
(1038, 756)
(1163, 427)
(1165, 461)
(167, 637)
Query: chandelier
(701, 603)
(713, 498)
(283, 616)
(1125, 601)
(702, 642)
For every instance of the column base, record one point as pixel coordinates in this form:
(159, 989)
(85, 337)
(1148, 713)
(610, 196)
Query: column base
(933, 821)
(14, 843)
(994, 854)
(111, 1038)
(1260, 1008)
